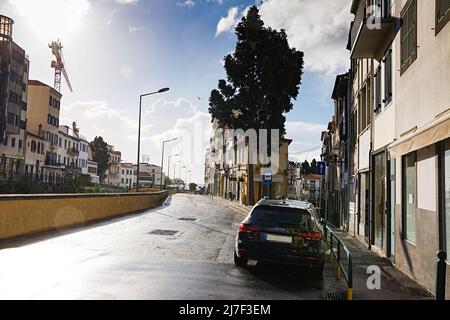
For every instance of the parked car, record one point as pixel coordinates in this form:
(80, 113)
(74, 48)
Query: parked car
(286, 232)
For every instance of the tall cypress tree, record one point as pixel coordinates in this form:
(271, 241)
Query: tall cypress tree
(263, 76)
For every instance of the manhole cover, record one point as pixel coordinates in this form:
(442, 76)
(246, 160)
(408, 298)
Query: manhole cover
(187, 219)
(335, 296)
(159, 232)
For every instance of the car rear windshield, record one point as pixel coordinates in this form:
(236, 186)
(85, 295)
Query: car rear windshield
(282, 216)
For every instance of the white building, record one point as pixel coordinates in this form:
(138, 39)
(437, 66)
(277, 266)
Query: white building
(149, 175)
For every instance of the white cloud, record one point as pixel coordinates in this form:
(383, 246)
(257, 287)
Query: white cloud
(229, 22)
(127, 2)
(319, 28)
(127, 72)
(164, 120)
(306, 140)
(186, 3)
(133, 30)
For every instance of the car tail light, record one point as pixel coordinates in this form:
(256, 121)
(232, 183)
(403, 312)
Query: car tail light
(310, 235)
(247, 228)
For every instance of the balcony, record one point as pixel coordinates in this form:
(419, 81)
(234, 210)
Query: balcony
(373, 29)
(73, 152)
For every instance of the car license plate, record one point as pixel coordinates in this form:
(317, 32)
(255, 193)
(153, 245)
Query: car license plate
(279, 238)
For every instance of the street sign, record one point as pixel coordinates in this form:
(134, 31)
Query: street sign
(268, 178)
(321, 168)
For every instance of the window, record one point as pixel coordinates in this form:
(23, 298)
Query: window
(388, 77)
(20, 144)
(409, 197)
(50, 101)
(60, 142)
(39, 147)
(33, 146)
(365, 107)
(13, 142)
(444, 195)
(378, 91)
(408, 35)
(442, 14)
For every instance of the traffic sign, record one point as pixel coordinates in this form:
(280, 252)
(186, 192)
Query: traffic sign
(321, 168)
(268, 178)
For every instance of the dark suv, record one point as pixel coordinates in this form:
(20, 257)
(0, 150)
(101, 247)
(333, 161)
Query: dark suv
(286, 232)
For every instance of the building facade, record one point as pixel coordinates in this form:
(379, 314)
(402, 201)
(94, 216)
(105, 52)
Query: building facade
(44, 105)
(112, 175)
(14, 68)
(149, 176)
(229, 175)
(398, 120)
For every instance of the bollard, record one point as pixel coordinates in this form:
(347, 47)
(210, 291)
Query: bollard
(350, 294)
(441, 275)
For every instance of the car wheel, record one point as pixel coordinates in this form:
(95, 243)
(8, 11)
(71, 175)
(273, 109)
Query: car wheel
(239, 261)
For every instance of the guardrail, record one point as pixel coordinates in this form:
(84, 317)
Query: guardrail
(343, 258)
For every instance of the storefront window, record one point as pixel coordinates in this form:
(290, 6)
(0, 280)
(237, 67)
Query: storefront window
(409, 197)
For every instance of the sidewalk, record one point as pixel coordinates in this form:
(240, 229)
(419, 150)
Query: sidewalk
(394, 284)
(238, 208)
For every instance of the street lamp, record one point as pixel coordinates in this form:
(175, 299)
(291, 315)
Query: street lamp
(162, 160)
(168, 167)
(139, 133)
(186, 175)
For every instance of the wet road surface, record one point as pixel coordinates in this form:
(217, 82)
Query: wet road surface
(182, 250)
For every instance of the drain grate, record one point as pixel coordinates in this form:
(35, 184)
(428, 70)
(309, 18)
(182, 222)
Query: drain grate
(159, 232)
(187, 219)
(336, 296)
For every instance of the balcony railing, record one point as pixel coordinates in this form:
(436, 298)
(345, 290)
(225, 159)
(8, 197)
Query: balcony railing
(373, 29)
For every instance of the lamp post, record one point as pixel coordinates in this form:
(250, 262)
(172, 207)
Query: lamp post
(139, 133)
(162, 161)
(168, 167)
(186, 175)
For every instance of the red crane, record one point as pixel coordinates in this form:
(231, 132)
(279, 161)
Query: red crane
(59, 65)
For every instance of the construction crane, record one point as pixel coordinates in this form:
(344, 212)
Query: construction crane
(59, 65)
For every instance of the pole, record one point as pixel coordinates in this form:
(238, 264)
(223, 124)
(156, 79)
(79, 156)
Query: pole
(139, 144)
(441, 275)
(162, 167)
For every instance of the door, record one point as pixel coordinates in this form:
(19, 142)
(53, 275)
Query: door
(379, 208)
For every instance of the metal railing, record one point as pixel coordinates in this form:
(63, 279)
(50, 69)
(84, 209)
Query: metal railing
(343, 258)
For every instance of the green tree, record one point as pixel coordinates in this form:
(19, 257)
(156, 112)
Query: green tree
(168, 181)
(100, 155)
(263, 76)
(305, 168)
(192, 186)
(314, 166)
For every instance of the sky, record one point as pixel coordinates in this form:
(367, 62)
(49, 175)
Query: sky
(116, 50)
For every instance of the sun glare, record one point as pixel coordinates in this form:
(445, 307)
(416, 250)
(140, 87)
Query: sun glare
(52, 19)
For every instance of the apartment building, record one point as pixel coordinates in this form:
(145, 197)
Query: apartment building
(229, 174)
(112, 175)
(127, 175)
(72, 150)
(399, 130)
(44, 105)
(14, 68)
(149, 175)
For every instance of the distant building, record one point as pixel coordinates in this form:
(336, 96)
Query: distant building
(127, 175)
(112, 175)
(14, 70)
(149, 175)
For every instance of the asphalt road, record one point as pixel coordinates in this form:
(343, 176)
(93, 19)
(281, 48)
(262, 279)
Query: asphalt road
(124, 259)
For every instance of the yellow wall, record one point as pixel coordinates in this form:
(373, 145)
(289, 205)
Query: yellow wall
(39, 108)
(23, 215)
